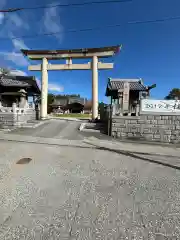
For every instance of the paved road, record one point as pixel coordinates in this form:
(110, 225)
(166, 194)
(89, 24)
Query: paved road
(63, 129)
(54, 129)
(82, 192)
(59, 129)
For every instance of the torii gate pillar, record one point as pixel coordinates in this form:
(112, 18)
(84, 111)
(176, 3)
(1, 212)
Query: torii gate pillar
(94, 87)
(44, 88)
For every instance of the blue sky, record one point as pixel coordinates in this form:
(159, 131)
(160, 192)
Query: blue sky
(150, 51)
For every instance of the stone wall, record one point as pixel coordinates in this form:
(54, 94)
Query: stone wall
(14, 116)
(158, 128)
(23, 116)
(6, 119)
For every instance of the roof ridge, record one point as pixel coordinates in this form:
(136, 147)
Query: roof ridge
(125, 79)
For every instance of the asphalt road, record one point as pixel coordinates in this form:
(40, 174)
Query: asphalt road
(81, 192)
(53, 129)
(59, 129)
(63, 129)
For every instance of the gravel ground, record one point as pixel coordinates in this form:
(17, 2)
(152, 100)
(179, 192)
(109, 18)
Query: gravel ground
(81, 193)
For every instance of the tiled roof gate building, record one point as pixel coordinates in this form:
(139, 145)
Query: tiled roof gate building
(14, 92)
(125, 94)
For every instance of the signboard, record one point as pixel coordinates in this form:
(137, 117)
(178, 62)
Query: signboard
(160, 106)
(126, 96)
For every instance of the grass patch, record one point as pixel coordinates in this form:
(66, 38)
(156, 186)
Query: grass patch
(72, 115)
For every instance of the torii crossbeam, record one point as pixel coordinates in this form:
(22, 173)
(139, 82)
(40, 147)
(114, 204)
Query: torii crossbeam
(68, 55)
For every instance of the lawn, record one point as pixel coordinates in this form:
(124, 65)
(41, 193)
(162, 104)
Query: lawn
(73, 115)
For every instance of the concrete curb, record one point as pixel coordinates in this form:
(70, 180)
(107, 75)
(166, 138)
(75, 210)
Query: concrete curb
(41, 140)
(129, 147)
(91, 130)
(160, 157)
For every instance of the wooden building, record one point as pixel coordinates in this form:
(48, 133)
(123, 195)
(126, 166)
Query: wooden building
(68, 104)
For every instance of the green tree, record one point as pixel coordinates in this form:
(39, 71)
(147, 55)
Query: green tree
(174, 93)
(101, 105)
(51, 98)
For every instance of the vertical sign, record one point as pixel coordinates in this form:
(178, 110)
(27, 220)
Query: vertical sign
(126, 97)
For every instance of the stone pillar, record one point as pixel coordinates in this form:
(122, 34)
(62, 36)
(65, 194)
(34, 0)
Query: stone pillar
(137, 108)
(120, 102)
(23, 98)
(22, 103)
(14, 105)
(126, 98)
(44, 88)
(26, 103)
(94, 87)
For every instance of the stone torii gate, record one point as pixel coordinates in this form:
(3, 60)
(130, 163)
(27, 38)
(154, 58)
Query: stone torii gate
(68, 55)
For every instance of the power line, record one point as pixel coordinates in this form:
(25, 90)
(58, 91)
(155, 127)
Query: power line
(9, 10)
(63, 5)
(95, 28)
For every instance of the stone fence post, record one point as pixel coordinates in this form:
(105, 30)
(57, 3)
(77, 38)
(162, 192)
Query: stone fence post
(14, 106)
(14, 111)
(137, 108)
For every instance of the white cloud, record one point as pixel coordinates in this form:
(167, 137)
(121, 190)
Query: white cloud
(8, 29)
(19, 24)
(14, 25)
(16, 20)
(52, 21)
(19, 44)
(1, 18)
(17, 72)
(52, 87)
(55, 87)
(17, 58)
(2, 4)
